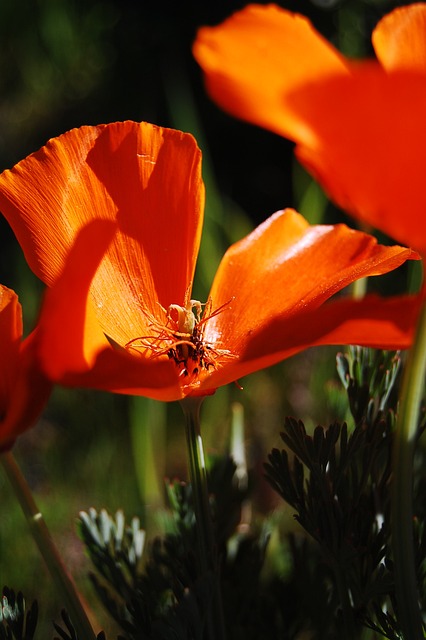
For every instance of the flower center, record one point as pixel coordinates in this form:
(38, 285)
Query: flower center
(181, 339)
(189, 351)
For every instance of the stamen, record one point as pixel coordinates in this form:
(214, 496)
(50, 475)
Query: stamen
(181, 339)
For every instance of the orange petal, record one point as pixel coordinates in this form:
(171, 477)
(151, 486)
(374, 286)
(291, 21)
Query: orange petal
(372, 321)
(10, 343)
(283, 271)
(71, 344)
(358, 130)
(68, 327)
(369, 152)
(120, 372)
(257, 56)
(146, 178)
(23, 388)
(399, 39)
(28, 397)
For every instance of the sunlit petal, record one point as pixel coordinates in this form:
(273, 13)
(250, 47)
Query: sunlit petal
(372, 321)
(287, 268)
(71, 344)
(400, 39)
(146, 178)
(370, 151)
(257, 56)
(358, 126)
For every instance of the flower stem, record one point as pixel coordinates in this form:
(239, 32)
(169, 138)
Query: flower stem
(207, 555)
(413, 385)
(47, 548)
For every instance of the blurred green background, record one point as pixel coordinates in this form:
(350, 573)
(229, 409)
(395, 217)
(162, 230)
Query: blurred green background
(65, 63)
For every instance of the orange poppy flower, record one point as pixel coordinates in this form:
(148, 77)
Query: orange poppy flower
(23, 388)
(110, 218)
(358, 125)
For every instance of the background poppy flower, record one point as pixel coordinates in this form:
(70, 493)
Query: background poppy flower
(23, 388)
(110, 218)
(358, 125)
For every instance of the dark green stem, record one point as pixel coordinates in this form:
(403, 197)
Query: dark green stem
(412, 391)
(207, 553)
(47, 548)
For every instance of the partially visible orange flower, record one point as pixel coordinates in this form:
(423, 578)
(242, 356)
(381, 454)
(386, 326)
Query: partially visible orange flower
(359, 126)
(24, 390)
(110, 218)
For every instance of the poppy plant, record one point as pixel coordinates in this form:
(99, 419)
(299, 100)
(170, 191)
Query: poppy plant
(110, 218)
(358, 125)
(23, 388)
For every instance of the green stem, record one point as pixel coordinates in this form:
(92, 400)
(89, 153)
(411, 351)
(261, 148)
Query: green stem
(359, 288)
(413, 385)
(47, 548)
(207, 554)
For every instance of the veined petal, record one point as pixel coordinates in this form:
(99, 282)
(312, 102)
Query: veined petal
(71, 344)
(69, 329)
(147, 179)
(375, 322)
(10, 343)
(399, 39)
(370, 148)
(284, 270)
(253, 59)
